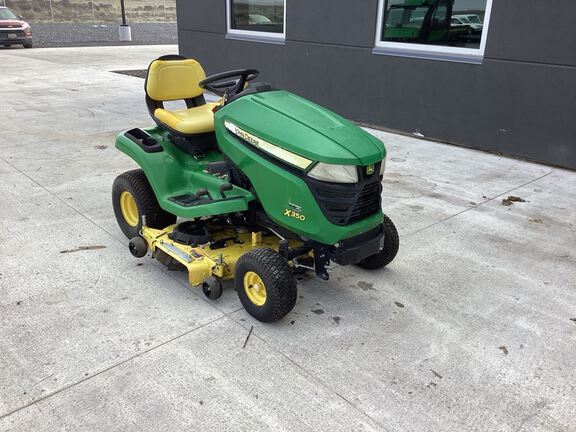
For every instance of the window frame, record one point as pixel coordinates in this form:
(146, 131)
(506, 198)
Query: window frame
(253, 35)
(431, 52)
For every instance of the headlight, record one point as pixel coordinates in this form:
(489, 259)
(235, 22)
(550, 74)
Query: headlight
(335, 173)
(383, 166)
(25, 26)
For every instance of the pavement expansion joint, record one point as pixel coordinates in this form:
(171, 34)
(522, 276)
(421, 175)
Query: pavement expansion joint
(477, 205)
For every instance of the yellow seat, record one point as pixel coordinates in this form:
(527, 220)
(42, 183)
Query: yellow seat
(173, 78)
(189, 121)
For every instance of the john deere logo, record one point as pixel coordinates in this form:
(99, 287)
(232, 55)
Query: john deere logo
(370, 169)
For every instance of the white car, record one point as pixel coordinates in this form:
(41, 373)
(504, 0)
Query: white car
(474, 19)
(464, 20)
(259, 19)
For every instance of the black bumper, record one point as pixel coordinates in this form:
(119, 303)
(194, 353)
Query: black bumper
(20, 40)
(355, 249)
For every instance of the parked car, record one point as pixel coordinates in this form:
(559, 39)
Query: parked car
(459, 20)
(259, 19)
(473, 18)
(13, 30)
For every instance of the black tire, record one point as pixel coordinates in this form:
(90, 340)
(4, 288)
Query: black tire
(138, 247)
(28, 44)
(212, 288)
(388, 252)
(136, 183)
(279, 282)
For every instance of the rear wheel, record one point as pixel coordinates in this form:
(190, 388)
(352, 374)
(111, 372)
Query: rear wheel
(265, 284)
(388, 252)
(132, 197)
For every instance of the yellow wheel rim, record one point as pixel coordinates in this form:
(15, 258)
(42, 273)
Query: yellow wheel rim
(255, 288)
(129, 208)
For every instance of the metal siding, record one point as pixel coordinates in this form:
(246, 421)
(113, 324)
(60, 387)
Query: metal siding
(202, 15)
(335, 22)
(533, 31)
(514, 107)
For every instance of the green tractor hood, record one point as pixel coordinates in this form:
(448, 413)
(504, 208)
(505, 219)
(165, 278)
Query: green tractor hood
(302, 127)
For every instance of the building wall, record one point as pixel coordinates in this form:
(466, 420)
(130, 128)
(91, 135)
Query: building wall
(521, 100)
(92, 11)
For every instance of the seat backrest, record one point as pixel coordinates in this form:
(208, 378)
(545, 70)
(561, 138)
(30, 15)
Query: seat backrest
(174, 78)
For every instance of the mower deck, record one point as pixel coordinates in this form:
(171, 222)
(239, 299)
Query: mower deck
(217, 258)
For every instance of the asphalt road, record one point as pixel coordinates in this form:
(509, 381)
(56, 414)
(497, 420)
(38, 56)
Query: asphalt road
(63, 35)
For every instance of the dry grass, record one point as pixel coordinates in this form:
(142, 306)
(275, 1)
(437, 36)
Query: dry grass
(94, 11)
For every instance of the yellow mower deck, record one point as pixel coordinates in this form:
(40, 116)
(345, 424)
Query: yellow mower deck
(203, 262)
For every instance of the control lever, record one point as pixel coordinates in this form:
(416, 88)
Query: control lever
(203, 192)
(225, 187)
(217, 167)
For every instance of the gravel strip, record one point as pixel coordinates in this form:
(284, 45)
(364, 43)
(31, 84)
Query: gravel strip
(138, 73)
(63, 35)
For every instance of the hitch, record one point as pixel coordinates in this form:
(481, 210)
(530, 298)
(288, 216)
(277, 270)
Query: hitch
(321, 261)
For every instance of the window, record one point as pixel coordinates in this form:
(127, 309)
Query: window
(452, 30)
(260, 20)
(7, 15)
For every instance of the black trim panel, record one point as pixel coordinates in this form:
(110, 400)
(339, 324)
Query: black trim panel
(341, 203)
(355, 249)
(145, 141)
(191, 200)
(346, 203)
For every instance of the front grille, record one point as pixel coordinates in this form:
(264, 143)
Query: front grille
(335, 204)
(4, 35)
(343, 204)
(368, 202)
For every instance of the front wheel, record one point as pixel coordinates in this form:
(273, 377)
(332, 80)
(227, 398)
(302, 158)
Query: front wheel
(265, 284)
(388, 252)
(28, 44)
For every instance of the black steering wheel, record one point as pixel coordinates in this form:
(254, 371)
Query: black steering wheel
(222, 84)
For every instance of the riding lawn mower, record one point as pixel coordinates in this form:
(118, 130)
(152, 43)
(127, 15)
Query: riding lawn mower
(255, 187)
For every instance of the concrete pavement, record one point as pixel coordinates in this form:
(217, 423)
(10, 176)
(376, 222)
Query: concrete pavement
(468, 330)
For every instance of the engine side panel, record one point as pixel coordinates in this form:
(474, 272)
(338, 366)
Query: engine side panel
(285, 197)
